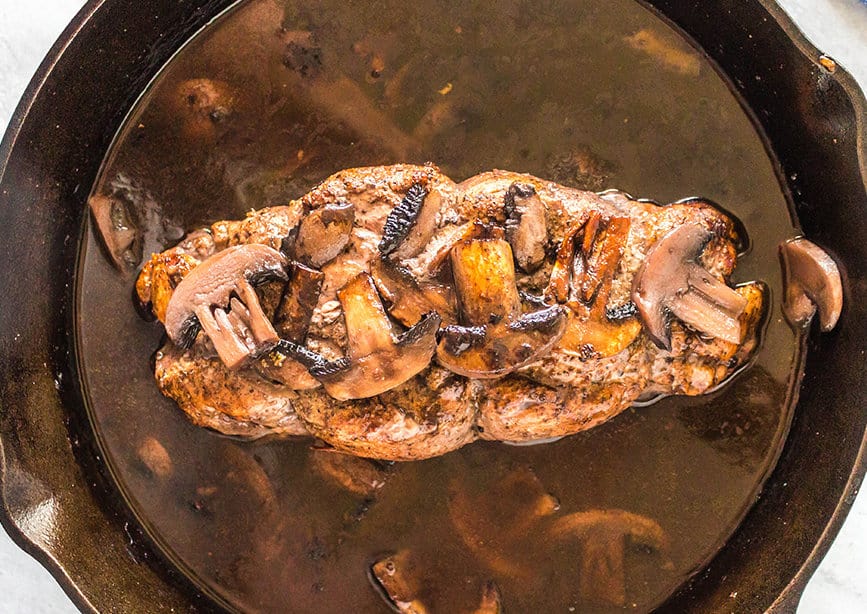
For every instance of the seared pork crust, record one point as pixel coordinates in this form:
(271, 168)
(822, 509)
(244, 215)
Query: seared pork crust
(574, 386)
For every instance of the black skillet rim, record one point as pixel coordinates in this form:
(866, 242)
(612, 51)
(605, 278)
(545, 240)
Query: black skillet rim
(89, 593)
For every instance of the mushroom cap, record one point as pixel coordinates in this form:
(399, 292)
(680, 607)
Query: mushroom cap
(368, 375)
(377, 358)
(670, 282)
(402, 222)
(495, 350)
(526, 228)
(323, 234)
(213, 282)
(812, 282)
(407, 299)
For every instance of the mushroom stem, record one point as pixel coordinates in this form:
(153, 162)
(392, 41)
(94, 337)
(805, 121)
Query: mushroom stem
(367, 326)
(484, 274)
(261, 328)
(219, 330)
(698, 311)
(812, 281)
(670, 281)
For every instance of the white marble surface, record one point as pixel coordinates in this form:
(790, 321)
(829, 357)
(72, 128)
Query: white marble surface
(29, 27)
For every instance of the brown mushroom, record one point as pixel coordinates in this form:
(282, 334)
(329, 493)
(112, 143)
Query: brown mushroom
(218, 297)
(378, 359)
(526, 228)
(300, 297)
(322, 234)
(495, 519)
(410, 226)
(812, 281)
(407, 299)
(357, 475)
(291, 320)
(581, 278)
(496, 338)
(670, 282)
(397, 575)
(604, 535)
(116, 226)
(491, 602)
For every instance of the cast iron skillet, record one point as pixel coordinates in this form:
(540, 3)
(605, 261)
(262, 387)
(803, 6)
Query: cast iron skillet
(60, 505)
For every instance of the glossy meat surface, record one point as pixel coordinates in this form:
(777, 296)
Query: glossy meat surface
(603, 364)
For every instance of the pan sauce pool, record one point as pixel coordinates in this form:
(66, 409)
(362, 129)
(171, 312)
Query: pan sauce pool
(593, 94)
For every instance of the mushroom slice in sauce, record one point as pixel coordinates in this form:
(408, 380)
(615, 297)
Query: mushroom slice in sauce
(117, 229)
(812, 282)
(496, 337)
(410, 226)
(670, 282)
(322, 234)
(604, 535)
(491, 602)
(526, 228)
(407, 299)
(378, 359)
(581, 278)
(218, 297)
(397, 575)
(357, 475)
(496, 520)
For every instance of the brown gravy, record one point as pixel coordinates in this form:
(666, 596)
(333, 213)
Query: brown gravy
(597, 94)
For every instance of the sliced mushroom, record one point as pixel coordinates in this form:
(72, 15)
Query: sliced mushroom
(496, 518)
(357, 475)
(670, 282)
(378, 359)
(491, 602)
(118, 230)
(291, 320)
(526, 228)
(812, 282)
(407, 299)
(604, 535)
(300, 297)
(581, 277)
(496, 338)
(484, 274)
(322, 234)
(218, 297)
(411, 224)
(397, 575)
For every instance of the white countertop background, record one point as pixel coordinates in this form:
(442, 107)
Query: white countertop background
(28, 28)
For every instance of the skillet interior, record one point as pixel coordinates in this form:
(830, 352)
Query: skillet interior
(824, 113)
